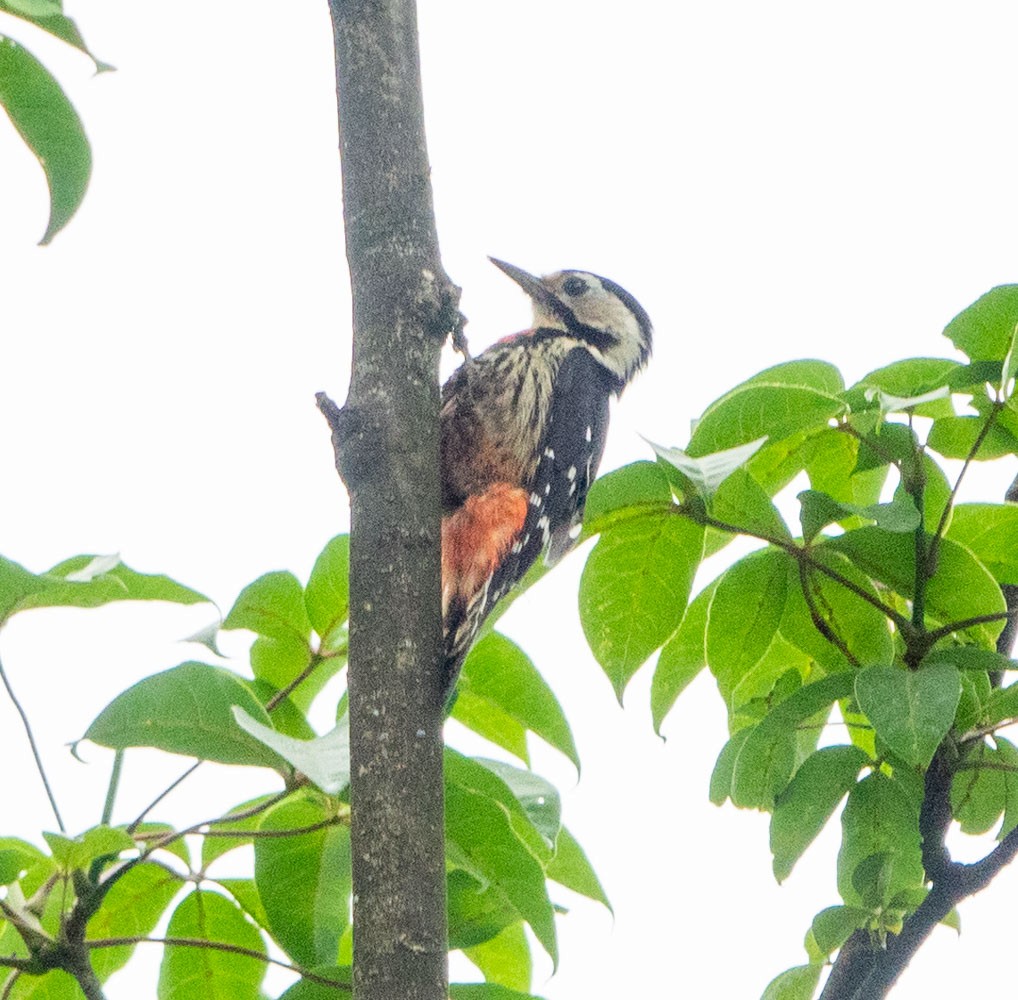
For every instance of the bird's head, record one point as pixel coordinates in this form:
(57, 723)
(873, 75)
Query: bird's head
(592, 309)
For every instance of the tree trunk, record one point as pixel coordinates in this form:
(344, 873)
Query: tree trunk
(386, 440)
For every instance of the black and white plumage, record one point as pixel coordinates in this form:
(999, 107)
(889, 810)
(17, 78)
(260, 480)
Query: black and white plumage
(523, 428)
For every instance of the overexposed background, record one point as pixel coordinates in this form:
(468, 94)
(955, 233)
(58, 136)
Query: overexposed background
(772, 181)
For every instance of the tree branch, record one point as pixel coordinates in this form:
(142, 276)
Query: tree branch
(867, 972)
(386, 443)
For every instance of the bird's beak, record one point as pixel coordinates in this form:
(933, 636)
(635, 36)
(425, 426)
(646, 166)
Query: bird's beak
(534, 287)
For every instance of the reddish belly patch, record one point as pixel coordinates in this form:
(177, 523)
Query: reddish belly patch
(476, 538)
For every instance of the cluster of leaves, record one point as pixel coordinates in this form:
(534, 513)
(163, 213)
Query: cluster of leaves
(39, 109)
(78, 909)
(875, 619)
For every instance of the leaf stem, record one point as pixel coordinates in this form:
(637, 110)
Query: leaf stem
(111, 791)
(137, 821)
(825, 628)
(800, 553)
(236, 949)
(931, 555)
(35, 748)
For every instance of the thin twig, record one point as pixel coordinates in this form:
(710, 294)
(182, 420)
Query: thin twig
(162, 795)
(11, 983)
(868, 442)
(945, 630)
(931, 555)
(165, 839)
(824, 627)
(255, 834)
(285, 692)
(32, 744)
(236, 949)
(799, 553)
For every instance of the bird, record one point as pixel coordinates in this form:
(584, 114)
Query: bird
(522, 431)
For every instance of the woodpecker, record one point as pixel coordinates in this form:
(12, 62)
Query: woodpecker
(523, 428)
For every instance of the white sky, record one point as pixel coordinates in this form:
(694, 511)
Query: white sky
(772, 181)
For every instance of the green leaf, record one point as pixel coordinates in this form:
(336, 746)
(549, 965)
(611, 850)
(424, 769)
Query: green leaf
(766, 759)
(216, 846)
(79, 852)
(742, 502)
(499, 674)
(477, 912)
(327, 597)
(955, 437)
(831, 460)
(505, 958)
(490, 722)
(970, 658)
(85, 582)
(325, 760)
(187, 972)
(185, 710)
(482, 833)
(47, 15)
(833, 926)
(304, 880)
(961, 588)
(776, 403)
(1009, 757)
(985, 329)
(798, 983)
(889, 403)
(990, 532)
(536, 827)
(862, 628)
(304, 989)
(976, 698)
(570, 867)
(279, 662)
(1003, 704)
(819, 510)
(132, 908)
(724, 768)
(910, 377)
(486, 991)
(744, 616)
(979, 789)
(634, 590)
(245, 892)
(628, 490)
(879, 821)
(816, 511)
(287, 718)
(540, 799)
(705, 475)
(911, 710)
(805, 806)
(55, 985)
(682, 657)
(274, 606)
(12, 864)
(50, 127)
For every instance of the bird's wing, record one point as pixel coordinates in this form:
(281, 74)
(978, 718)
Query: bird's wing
(570, 452)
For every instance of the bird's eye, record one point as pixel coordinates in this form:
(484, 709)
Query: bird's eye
(574, 286)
